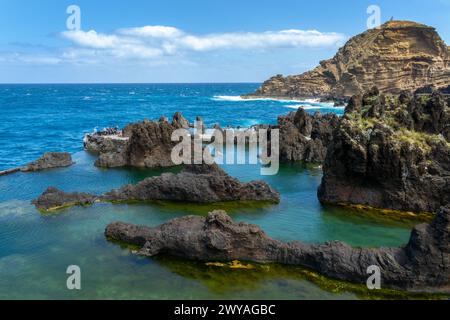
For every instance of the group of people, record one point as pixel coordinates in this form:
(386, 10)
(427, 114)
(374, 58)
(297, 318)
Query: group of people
(109, 132)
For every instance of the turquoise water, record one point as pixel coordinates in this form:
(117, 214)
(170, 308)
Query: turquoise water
(35, 250)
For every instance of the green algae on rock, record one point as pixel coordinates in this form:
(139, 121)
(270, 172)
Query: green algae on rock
(390, 152)
(195, 184)
(420, 266)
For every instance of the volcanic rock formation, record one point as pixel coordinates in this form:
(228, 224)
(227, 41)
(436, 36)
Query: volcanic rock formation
(305, 137)
(400, 55)
(144, 144)
(49, 160)
(195, 184)
(423, 264)
(390, 152)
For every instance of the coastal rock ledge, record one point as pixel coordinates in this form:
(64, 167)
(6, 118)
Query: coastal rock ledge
(49, 160)
(422, 265)
(195, 184)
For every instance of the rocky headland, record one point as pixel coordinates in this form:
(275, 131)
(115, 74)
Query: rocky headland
(49, 160)
(398, 56)
(195, 184)
(421, 265)
(390, 152)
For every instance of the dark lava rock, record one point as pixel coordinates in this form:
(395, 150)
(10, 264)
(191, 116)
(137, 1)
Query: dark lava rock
(195, 184)
(53, 199)
(49, 160)
(145, 144)
(305, 137)
(390, 152)
(423, 264)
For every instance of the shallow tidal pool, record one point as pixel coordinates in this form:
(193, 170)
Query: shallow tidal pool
(36, 249)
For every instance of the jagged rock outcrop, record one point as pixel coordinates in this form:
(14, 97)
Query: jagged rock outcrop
(49, 160)
(390, 152)
(400, 55)
(422, 265)
(305, 137)
(195, 184)
(302, 136)
(145, 144)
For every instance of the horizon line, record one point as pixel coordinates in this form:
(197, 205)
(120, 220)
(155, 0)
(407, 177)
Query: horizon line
(90, 83)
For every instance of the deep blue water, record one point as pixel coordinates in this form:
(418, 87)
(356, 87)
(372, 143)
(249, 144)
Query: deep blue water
(39, 118)
(36, 249)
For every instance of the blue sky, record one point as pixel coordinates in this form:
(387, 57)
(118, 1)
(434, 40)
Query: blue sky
(186, 41)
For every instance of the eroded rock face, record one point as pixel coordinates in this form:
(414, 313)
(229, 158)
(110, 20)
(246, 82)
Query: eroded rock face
(195, 184)
(400, 55)
(423, 264)
(49, 160)
(390, 152)
(305, 137)
(145, 144)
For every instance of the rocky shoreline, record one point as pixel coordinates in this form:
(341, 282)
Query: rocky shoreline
(390, 152)
(398, 56)
(50, 160)
(195, 184)
(422, 265)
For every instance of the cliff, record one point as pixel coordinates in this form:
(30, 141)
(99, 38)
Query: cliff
(400, 55)
(390, 152)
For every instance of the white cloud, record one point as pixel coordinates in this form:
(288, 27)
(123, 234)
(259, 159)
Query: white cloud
(92, 39)
(159, 44)
(114, 45)
(265, 40)
(33, 59)
(154, 41)
(162, 32)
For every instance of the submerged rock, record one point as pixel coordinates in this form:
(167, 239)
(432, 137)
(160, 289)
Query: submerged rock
(49, 160)
(53, 199)
(422, 265)
(195, 184)
(390, 152)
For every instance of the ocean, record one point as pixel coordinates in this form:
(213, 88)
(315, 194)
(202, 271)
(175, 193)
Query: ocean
(36, 249)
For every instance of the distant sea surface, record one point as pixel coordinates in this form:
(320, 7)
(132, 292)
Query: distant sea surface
(36, 249)
(39, 118)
